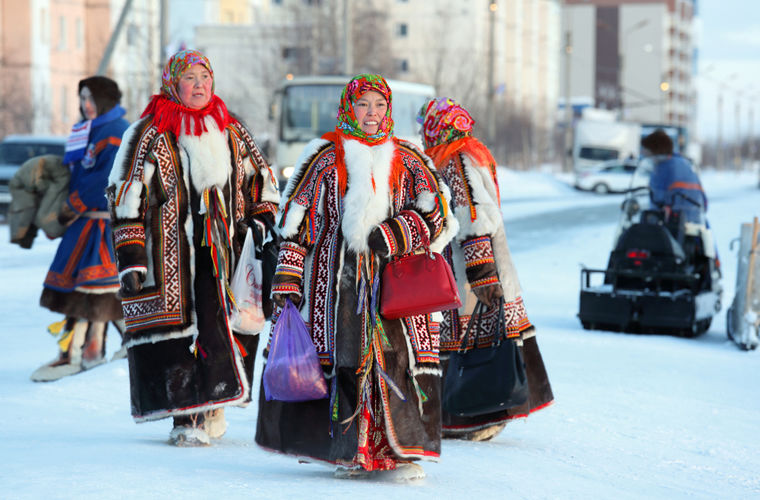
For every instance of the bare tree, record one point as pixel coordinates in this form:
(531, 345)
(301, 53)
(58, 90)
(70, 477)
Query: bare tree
(16, 112)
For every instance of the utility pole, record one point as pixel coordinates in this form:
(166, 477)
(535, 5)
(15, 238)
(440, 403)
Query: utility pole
(163, 35)
(750, 132)
(348, 54)
(719, 156)
(566, 163)
(738, 144)
(106, 59)
(490, 112)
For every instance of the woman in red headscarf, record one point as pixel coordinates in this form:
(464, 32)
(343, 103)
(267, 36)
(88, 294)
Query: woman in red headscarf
(358, 197)
(481, 261)
(187, 183)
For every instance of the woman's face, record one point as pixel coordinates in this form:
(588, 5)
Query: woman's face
(87, 104)
(195, 87)
(369, 110)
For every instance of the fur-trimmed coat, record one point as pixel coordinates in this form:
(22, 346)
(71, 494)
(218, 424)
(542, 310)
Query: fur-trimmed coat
(183, 356)
(480, 256)
(323, 259)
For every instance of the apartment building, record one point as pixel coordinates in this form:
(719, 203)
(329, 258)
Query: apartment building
(47, 46)
(634, 56)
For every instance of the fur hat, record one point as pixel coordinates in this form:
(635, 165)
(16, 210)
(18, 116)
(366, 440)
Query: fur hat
(105, 92)
(658, 143)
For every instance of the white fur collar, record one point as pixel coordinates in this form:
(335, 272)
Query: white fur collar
(207, 156)
(363, 207)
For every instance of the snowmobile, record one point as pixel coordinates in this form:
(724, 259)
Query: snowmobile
(742, 323)
(662, 274)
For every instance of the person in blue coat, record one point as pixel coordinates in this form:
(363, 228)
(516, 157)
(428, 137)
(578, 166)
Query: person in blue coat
(83, 280)
(675, 186)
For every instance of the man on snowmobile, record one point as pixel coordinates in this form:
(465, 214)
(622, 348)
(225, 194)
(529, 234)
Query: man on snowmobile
(675, 186)
(676, 190)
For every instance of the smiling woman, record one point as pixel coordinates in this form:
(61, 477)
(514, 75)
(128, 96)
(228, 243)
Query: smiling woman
(359, 198)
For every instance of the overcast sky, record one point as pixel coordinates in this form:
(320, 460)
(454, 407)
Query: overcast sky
(729, 52)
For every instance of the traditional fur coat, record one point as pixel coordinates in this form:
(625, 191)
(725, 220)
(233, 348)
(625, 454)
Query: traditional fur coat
(393, 412)
(180, 207)
(480, 256)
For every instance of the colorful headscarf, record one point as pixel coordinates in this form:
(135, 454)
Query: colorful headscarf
(167, 109)
(447, 131)
(176, 65)
(443, 120)
(347, 122)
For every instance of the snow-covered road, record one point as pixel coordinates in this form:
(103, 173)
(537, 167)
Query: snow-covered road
(635, 416)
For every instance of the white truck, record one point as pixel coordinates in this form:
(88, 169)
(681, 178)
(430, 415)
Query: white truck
(599, 137)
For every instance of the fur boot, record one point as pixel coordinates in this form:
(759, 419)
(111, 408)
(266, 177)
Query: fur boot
(214, 423)
(188, 431)
(69, 360)
(94, 350)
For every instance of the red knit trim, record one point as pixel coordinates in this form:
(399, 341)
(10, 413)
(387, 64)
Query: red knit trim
(169, 115)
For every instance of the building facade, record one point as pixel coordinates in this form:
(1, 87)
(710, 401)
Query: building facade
(633, 56)
(499, 58)
(47, 46)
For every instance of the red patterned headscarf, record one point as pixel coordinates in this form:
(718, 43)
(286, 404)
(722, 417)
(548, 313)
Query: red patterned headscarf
(447, 130)
(443, 120)
(166, 107)
(348, 127)
(347, 122)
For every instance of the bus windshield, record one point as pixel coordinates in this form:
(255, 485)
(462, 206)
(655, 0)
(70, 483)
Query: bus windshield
(310, 110)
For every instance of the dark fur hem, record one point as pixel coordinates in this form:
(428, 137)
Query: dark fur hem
(90, 306)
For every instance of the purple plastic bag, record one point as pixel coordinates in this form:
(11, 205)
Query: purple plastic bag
(292, 372)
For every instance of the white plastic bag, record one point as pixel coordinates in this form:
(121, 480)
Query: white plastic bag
(248, 316)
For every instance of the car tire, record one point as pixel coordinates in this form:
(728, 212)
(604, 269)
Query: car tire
(601, 188)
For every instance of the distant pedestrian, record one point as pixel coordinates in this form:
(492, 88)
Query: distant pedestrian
(187, 184)
(482, 263)
(359, 197)
(82, 282)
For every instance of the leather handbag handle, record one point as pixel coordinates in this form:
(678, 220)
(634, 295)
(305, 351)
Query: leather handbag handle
(500, 324)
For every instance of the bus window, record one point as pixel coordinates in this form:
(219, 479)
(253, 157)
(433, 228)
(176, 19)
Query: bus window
(309, 111)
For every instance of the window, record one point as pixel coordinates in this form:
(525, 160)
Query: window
(44, 30)
(600, 154)
(402, 29)
(79, 33)
(61, 33)
(402, 65)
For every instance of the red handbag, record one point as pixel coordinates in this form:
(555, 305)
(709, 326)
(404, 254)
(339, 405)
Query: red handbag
(417, 284)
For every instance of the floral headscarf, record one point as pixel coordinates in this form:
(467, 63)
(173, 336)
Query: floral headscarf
(167, 109)
(443, 120)
(176, 65)
(347, 122)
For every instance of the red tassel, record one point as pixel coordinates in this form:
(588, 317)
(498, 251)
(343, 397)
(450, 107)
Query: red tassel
(169, 115)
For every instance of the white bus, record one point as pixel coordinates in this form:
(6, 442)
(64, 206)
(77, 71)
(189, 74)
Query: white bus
(306, 107)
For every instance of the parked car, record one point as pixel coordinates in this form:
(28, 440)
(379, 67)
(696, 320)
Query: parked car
(15, 150)
(612, 176)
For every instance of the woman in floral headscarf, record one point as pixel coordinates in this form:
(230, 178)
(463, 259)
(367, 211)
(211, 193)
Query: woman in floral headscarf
(187, 183)
(481, 261)
(358, 197)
